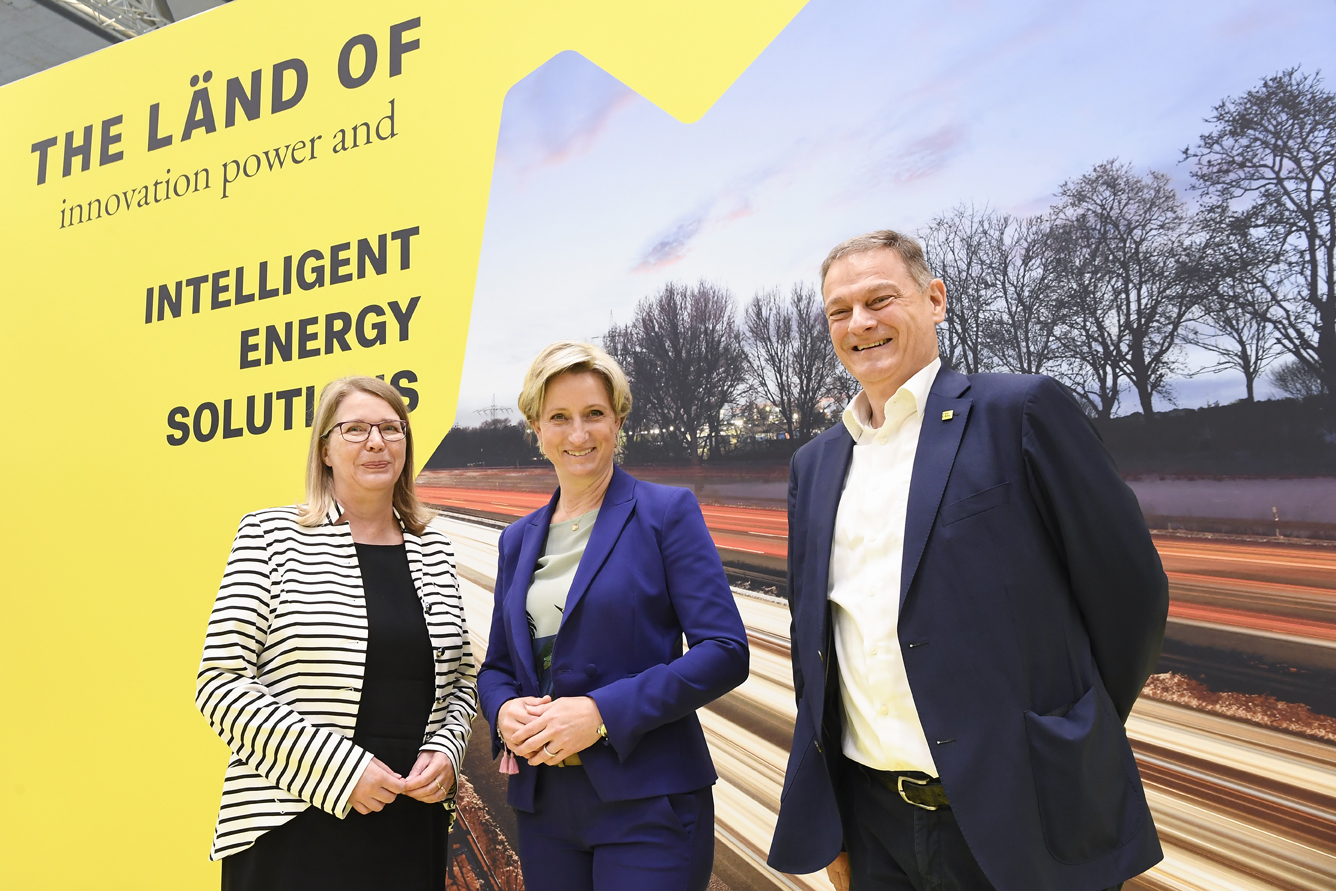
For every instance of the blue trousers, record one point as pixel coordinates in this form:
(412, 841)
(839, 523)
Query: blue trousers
(573, 841)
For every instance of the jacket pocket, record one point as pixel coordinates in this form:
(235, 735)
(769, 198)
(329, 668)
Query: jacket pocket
(686, 808)
(1078, 759)
(994, 496)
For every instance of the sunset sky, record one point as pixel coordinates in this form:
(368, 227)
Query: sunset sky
(860, 115)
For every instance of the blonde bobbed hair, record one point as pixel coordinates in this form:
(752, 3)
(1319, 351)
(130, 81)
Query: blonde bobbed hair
(320, 476)
(566, 356)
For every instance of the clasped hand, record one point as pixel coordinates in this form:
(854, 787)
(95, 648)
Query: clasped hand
(430, 780)
(547, 730)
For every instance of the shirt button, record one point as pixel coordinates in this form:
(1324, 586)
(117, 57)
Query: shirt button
(872, 650)
(885, 710)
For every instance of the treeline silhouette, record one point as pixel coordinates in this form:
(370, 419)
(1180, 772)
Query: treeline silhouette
(1120, 286)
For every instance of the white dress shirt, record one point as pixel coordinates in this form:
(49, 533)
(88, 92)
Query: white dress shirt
(881, 723)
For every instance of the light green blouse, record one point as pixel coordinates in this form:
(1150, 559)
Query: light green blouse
(552, 577)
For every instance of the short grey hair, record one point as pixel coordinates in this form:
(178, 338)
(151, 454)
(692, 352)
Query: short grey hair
(906, 248)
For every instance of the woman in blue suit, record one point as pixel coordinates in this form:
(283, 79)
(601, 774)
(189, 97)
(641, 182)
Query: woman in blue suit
(585, 680)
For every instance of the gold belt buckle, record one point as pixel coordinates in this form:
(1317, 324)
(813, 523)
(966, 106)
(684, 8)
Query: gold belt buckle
(900, 787)
(569, 761)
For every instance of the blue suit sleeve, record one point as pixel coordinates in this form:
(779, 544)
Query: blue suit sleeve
(717, 660)
(497, 681)
(1093, 516)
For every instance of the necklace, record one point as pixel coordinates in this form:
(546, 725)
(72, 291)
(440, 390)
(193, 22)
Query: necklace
(575, 521)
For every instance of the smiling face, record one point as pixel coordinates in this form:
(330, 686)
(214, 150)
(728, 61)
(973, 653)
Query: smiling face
(577, 428)
(882, 324)
(364, 467)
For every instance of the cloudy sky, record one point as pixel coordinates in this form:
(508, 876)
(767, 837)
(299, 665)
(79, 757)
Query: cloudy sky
(860, 115)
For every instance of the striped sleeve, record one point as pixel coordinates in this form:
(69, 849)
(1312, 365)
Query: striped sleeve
(460, 707)
(459, 698)
(317, 764)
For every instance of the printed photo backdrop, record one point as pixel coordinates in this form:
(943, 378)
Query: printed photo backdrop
(1135, 199)
(185, 333)
(201, 226)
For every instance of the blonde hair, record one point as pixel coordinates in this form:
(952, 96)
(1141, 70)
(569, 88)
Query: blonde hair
(320, 476)
(907, 249)
(566, 356)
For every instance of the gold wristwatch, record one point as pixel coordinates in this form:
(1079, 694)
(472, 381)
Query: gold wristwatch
(603, 731)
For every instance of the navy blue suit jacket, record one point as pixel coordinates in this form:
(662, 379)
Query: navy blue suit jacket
(649, 575)
(1032, 610)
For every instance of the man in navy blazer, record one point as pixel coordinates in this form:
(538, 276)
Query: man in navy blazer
(976, 603)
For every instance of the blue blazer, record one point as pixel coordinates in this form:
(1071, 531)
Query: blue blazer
(649, 575)
(1032, 610)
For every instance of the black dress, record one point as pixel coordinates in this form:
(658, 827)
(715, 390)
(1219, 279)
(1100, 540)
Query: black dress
(402, 846)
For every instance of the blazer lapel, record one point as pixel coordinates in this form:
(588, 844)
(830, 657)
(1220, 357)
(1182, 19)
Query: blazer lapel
(618, 503)
(836, 453)
(413, 550)
(517, 598)
(814, 610)
(939, 440)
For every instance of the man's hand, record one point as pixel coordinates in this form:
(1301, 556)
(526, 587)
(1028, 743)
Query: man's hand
(376, 787)
(838, 872)
(560, 729)
(431, 779)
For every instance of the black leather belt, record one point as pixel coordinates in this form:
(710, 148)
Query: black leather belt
(917, 789)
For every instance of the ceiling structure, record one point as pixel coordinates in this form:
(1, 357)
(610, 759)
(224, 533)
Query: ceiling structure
(39, 34)
(121, 18)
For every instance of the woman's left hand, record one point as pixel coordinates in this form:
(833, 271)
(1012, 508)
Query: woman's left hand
(563, 727)
(432, 778)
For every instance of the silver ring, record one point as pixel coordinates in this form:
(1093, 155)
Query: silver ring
(549, 754)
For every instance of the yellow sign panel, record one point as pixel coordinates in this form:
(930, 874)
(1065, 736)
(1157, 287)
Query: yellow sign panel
(201, 227)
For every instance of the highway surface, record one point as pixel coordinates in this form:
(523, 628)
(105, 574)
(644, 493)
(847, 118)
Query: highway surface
(1244, 616)
(1239, 807)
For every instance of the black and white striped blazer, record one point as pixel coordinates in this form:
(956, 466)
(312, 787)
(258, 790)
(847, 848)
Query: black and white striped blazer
(281, 674)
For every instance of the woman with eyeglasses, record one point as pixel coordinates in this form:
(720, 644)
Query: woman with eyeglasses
(337, 669)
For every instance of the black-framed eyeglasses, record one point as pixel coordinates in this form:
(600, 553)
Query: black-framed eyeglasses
(360, 431)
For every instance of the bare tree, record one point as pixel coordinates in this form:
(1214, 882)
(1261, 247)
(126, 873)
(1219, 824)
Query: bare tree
(1090, 338)
(1149, 267)
(1273, 149)
(1022, 325)
(1293, 378)
(956, 245)
(790, 359)
(714, 316)
(682, 352)
(620, 342)
(1235, 320)
(841, 388)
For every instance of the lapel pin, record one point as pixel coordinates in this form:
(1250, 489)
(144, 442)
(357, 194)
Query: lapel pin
(948, 415)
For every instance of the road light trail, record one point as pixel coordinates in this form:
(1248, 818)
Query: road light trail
(749, 756)
(1214, 585)
(1238, 807)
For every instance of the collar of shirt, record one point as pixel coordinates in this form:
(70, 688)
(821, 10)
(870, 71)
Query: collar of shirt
(910, 399)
